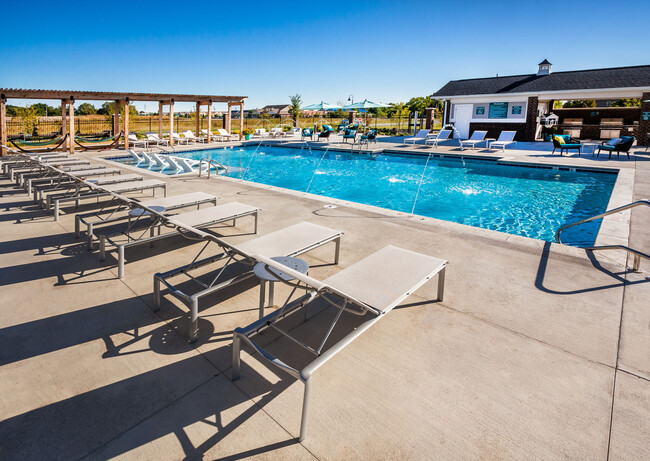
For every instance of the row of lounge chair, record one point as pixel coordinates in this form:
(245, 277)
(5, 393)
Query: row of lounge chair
(371, 288)
(506, 138)
(188, 136)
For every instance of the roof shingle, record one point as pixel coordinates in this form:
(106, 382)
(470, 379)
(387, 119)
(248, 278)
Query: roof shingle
(616, 77)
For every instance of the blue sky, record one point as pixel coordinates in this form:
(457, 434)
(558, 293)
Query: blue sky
(383, 51)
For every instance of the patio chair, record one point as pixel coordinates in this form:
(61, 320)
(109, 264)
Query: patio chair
(225, 135)
(370, 136)
(476, 138)
(419, 136)
(565, 142)
(342, 126)
(119, 213)
(292, 132)
(84, 190)
(443, 135)
(134, 233)
(260, 133)
(307, 133)
(177, 139)
(133, 140)
(275, 132)
(237, 261)
(618, 145)
(326, 133)
(370, 288)
(153, 137)
(349, 134)
(189, 135)
(505, 138)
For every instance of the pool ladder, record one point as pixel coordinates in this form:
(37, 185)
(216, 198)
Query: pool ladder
(214, 163)
(637, 254)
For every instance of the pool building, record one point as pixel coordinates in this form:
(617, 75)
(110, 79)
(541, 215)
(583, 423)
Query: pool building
(524, 103)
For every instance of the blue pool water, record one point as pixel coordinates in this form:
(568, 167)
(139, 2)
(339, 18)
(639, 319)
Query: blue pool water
(529, 201)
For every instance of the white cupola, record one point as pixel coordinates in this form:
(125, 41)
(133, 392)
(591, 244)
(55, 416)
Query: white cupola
(544, 67)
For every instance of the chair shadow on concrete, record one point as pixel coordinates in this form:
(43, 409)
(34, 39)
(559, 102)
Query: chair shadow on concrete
(619, 277)
(149, 406)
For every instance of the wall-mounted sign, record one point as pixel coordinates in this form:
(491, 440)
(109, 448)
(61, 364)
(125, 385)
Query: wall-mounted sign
(516, 110)
(498, 110)
(645, 116)
(480, 110)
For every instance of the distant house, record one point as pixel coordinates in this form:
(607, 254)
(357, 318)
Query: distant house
(276, 110)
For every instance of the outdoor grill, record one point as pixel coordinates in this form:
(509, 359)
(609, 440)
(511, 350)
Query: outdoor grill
(610, 128)
(572, 127)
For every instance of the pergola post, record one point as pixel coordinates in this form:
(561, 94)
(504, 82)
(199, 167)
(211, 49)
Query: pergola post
(116, 118)
(210, 122)
(171, 122)
(126, 124)
(198, 118)
(226, 120)
(71, 130)
(241, 120)
(3, 124)
(161, 106)
(64, 122)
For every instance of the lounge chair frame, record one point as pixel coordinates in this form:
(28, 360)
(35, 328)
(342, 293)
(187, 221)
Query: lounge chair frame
(230, 254)
(343, 303)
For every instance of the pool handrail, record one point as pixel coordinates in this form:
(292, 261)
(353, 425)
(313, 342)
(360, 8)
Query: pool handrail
(637, 254)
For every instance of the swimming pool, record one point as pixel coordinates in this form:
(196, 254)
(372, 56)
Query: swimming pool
(523, 200)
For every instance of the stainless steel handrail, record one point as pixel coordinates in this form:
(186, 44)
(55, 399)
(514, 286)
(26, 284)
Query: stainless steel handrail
(637, 254)
(216, 164)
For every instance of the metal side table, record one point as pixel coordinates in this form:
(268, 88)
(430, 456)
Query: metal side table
(271, 275)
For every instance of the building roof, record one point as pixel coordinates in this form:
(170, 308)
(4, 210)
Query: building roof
(615, 77)
(275, 106)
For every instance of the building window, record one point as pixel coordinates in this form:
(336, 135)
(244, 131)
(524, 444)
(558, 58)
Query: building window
(516, 110)
(480, 110)
(498, 110)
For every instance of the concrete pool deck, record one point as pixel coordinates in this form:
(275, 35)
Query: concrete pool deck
(539, 351)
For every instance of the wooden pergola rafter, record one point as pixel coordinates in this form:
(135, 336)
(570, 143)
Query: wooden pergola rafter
(68, 98)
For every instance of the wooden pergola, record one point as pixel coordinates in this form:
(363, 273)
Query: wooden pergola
(68, 99)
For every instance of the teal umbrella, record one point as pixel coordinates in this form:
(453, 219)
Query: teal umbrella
(320, 106)
(365, 104)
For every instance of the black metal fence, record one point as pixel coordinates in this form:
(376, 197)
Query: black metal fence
(88, 126)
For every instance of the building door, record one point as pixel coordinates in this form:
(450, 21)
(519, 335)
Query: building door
(463, 115)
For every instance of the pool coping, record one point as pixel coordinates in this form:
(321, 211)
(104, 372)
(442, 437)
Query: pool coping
(614, 229)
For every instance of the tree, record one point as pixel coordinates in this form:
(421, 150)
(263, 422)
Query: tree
(294, 108)
(28, 118)
(86, 109)
(626, 102)
(579, 103)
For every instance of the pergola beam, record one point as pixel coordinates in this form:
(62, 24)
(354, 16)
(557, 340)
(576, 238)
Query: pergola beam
(111, 96)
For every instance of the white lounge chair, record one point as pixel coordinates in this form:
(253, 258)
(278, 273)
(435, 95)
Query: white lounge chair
(147, 159)
(153, 137)
(476, 138)
(443, 135)
(177, 139)
(290, 241)
(371, 288)
(133, 140)
(225, 135)
(134, 234)
(419, 136)
(260, 133)
(505, 138)
(189, 135)
(275, 132)
(293, 132)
